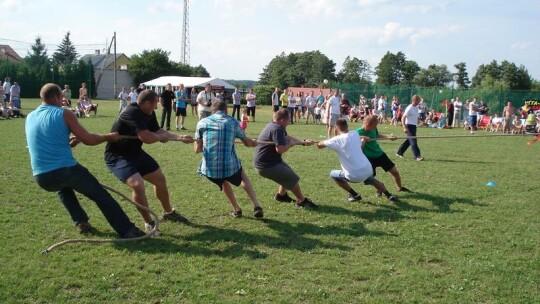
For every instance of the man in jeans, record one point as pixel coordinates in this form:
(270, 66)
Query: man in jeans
(410, 122)
(237, 98)
(55, 169)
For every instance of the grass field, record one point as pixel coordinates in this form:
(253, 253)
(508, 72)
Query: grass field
(455, 240)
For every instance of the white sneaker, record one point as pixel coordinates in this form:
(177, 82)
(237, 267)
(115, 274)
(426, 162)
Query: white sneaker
(148, 227)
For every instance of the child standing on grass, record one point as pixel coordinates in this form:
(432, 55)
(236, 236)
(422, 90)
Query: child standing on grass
(318, 111)
(245, 119)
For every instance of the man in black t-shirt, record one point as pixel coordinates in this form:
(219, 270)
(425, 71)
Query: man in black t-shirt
(269, 164)
(166, 99)
(129, 163)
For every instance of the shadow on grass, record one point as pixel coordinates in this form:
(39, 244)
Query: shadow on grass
(224, 242)
(465, 161)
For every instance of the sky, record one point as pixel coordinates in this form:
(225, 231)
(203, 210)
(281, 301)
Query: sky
(236, 39)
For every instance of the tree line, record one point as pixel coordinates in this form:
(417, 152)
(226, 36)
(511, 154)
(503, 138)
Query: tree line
(310, 68)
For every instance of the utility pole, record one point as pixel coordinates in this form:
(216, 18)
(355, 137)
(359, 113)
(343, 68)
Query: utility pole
(185, 35)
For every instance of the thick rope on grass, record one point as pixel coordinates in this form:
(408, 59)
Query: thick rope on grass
(459, 136)
(101, 241)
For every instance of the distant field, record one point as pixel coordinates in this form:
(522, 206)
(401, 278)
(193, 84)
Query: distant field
(455, 240)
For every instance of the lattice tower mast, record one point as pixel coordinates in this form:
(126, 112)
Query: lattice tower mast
(185, 35)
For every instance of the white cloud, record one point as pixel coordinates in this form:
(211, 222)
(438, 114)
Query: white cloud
(521, 46)
(394, 31)
(10, 6)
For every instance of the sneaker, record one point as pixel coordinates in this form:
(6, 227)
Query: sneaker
(419, 158)
(177, 129)
(84, 227)
(403, 189)
(236, 214)
(391, 197)
(258, 212)
(283, 198)
(174, 216)
(133, 233)
(183, 128)
(399, 155)
(149, 227)
(306, 203)
(354, 198)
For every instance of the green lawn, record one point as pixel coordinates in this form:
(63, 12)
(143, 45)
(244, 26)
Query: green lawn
(455, 240)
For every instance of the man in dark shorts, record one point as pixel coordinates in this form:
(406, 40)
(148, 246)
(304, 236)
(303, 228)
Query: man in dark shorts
(214, 137)
(129, 163)
(180, 106)
(269, 164)
(375, 154)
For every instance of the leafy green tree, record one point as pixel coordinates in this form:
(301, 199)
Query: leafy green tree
(355, 70)
(264, 94)
(199, 71)
(298, 69)
(433, 76)
(66, 52)
(390, 69)
(410, 69)
(149, 65)
(506, 75)
(462, 75)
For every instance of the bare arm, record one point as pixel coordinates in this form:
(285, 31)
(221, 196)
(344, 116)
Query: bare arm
(197, 146)
(248, 142)
(82, 135)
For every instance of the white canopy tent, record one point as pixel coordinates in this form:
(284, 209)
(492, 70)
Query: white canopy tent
(159, 84)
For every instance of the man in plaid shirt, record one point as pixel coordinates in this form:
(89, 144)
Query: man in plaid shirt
(214, 137)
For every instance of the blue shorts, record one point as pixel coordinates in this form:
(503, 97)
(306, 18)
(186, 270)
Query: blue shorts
(339, 175)
(123, 167)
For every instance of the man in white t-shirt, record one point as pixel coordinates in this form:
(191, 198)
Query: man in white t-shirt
(275, 100)
(133, 95)
(250, 105)
(333, 112)
(122, 100)
(410, 122)
(355, 166)
(205, 99)
(458, 106)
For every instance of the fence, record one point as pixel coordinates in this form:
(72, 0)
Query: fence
(496, 99)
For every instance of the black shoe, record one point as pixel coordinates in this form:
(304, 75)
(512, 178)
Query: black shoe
(403, 189)
(306, 203)
(84, 228)
(391, 197)
(354, 198)
(258, 212)
(174, 217)
(283, 198)
(133, 233)
(236, 214)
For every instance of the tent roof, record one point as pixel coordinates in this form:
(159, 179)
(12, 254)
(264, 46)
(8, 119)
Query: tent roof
(189, 82)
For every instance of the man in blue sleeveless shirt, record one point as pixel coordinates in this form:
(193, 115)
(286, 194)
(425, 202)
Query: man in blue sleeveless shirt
(54, 168)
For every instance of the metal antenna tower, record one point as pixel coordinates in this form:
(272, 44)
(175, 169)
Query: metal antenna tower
(185, 35)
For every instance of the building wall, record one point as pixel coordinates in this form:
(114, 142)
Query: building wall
(106, 85)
